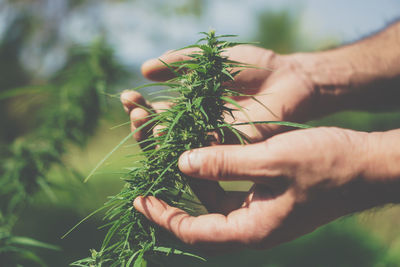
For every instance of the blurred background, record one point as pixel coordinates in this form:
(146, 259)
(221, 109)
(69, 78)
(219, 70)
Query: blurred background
(62, 64)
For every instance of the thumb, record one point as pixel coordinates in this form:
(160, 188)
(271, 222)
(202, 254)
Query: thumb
(226, 162)
(155, 70)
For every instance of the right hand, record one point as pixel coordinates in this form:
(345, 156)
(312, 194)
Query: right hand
(302, 180)
(279, 82)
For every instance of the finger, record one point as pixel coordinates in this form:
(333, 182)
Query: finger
(131, 100)
(227, 162)
(155, 70)
(138, 117)
(160, 107)
(204, 229)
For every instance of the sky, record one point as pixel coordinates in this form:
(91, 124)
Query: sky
(349, 20)
(342, 20)
(142, 29)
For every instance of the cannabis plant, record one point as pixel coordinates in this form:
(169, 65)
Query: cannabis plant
(201, 83)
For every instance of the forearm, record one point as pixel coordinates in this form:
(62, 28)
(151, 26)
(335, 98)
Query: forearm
(363, 75)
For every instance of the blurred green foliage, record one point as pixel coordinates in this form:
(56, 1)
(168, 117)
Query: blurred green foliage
(66, 109)
(41, 116)
(279, 30)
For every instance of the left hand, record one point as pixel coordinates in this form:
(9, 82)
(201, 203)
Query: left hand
(302, 179)
(280, 82)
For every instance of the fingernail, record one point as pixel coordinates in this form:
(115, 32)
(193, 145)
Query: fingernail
(190, 161)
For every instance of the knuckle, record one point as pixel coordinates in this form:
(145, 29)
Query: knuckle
(192, 238)
(138, 135)
(138, 116)
(189, 239)
(160, 107)
(131, 98)
(185, 233)
(217, 165)
(252, 239)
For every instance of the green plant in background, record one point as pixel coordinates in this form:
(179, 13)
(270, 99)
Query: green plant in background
(31, 27)
(70, 106)
(200, 108)
(279, 30)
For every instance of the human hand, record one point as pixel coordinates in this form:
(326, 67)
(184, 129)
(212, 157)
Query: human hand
(303, 179)
(279, 83)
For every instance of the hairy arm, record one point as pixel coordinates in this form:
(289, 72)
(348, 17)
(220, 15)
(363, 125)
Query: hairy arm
(364, 75)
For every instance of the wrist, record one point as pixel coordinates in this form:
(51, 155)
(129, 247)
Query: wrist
(330, 75)
(382, 168)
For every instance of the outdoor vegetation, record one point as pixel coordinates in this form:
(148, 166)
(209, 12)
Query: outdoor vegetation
(60, 117)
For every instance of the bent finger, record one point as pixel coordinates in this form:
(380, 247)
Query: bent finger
(132, 99)
(155, 70)
(138, 117)
(160, 107)
(201, 230)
